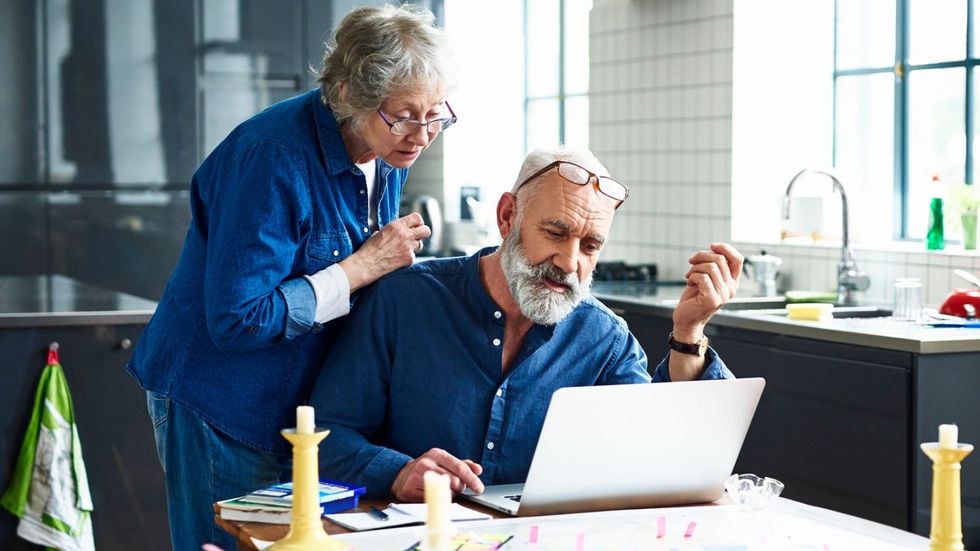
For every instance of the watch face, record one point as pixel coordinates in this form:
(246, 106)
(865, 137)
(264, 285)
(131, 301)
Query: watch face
(703, 346)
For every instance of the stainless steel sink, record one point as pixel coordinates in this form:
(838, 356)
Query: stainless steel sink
(776, 306)
(755, 303)
(861, 312)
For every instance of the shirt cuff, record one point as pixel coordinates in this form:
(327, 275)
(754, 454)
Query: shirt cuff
(332, 291)
(381, 472)
(714, 368)
(300, 306)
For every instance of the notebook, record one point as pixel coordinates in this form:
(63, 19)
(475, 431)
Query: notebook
(631, 446)
(402, 514)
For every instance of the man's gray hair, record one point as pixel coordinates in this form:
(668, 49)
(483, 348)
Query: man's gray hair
(382, 51)
(540, 158)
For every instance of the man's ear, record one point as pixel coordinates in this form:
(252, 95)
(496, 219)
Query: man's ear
(506, 213)
(343, 91)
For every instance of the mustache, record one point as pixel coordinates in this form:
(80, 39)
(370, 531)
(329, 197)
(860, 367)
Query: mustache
(547, 269)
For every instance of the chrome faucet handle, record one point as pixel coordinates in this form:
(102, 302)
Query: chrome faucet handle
(856, 281)
(850, 279)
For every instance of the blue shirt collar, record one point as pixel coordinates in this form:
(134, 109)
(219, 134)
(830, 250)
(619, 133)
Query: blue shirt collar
(332, 144)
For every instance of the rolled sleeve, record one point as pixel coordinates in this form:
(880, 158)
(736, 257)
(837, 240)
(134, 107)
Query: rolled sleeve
(332, 290)
(715, 368)
(300, 306)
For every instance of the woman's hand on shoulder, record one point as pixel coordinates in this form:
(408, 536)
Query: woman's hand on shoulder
(392, 247)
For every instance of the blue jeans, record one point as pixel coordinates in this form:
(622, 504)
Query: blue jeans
(203, 466)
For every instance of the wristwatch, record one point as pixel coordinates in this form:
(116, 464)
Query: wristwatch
(697, 348)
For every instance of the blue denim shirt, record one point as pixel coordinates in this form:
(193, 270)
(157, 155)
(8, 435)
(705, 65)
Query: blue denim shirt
(233, 337)
(421, 368)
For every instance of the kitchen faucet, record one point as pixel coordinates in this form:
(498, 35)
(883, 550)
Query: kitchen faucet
(849, 278)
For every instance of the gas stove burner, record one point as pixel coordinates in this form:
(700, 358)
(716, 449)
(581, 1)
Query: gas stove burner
(621, 271)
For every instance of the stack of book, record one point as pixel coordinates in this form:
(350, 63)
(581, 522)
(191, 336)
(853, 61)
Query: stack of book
(274, 504)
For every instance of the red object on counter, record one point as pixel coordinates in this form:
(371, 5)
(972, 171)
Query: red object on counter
(955, 301)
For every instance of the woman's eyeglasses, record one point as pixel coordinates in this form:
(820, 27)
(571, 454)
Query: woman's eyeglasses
(404, 127)
(581, 176)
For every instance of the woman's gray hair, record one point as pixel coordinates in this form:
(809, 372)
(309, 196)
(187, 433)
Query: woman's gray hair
(540, 158)
(382, 51)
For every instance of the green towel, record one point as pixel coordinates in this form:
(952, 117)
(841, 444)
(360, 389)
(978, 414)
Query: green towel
(49, 488)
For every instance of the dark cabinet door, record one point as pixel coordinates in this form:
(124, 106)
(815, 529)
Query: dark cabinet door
(831, 425)
(124, 473)
(834, 420)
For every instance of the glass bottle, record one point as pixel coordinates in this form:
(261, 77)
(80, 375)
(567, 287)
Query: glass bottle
(935, 240)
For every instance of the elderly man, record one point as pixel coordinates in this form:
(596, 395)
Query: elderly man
(449, 365)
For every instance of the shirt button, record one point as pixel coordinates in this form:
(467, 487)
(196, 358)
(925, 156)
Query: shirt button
(251, 329)
(500, 392)
(497, 314)
(364, 229)
(336, 253)
(361, 192)
(489, 445)
(317, 327)
(496, 342)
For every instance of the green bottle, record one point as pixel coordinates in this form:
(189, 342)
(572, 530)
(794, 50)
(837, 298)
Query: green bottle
(935, 241)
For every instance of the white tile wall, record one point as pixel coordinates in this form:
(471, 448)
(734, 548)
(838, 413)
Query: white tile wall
(661, 119)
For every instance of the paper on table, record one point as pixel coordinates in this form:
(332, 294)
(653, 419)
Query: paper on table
(401, 514)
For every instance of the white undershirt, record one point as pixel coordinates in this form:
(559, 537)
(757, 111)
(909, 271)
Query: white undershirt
(330, 285)
(372, 190)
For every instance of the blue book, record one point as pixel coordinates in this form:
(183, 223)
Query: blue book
(334, 496)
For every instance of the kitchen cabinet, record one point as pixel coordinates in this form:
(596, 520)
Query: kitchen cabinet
(96, 331)
(840, 423)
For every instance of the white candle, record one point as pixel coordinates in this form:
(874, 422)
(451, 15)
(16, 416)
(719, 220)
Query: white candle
(437, 498)
(304, 420)
(948, 436)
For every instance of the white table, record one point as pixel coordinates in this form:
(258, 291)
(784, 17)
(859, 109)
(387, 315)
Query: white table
(784, 524)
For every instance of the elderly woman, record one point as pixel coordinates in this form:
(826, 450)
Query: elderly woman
(292, 213)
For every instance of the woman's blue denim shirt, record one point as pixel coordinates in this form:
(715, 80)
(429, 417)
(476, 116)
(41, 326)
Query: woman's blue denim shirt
(233, 337)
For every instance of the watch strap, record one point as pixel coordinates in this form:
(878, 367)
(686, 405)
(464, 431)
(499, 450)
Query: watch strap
(697, 348)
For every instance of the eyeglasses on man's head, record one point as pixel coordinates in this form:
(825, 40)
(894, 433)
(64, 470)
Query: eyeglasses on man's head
(404, 127)
(581, 176)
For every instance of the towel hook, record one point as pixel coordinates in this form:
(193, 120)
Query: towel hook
(53, 352)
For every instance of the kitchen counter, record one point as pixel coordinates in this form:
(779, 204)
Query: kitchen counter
(659, 300)
(57, 300)
(96, 330)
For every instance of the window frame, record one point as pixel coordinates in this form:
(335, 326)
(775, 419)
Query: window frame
(902, 70)
(563, 95)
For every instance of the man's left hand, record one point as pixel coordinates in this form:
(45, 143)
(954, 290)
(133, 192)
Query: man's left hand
(711, 283)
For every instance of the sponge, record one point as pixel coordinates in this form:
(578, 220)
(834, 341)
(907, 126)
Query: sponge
(810, 311)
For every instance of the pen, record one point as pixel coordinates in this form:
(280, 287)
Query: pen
(378, 513)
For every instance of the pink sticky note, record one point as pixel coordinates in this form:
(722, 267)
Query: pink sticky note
(661, 527)
(690, 529)
(532, 537)
(580, 542)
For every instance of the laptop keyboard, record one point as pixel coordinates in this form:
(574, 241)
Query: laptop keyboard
(515, 497)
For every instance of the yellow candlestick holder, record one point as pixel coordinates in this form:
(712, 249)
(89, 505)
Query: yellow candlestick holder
(946, 527)
(306, 530)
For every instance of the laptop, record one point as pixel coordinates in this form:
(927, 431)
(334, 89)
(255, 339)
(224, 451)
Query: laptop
(632, 446)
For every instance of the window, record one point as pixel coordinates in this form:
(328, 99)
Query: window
(556, 104)
(904, 101)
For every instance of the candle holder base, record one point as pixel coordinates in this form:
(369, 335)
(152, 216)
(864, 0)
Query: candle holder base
(306, 530)
(946, 525)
